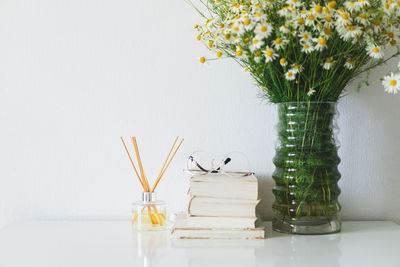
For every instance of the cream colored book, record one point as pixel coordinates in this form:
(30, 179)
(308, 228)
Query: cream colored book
(193, 233)
(222, 207)
(184, 221)
(224, 186)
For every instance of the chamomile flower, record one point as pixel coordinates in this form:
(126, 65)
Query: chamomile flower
(321, 43)
(326, 32)
(279, 43)
(310, 20)
(263, 30)
(305, 36)
(307, 48)
(283, 29)
(296, 68)
(290, 75)
(349, 64)
(362, 4)
(327, 65)
(256, 43)
(284, 63)
(328, 21)
(374, 51)
(317, 10)
(351, 6)
(391, 83)
(270, 54)
(349, 32)
(310, 92)
(343, 18)
(362, 19)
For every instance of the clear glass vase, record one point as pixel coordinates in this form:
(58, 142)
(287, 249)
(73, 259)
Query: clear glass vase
(306, 176)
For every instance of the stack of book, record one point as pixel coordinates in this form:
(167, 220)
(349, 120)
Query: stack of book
(220, 206)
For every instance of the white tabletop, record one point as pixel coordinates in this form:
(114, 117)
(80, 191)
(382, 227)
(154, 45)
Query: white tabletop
(94, 243)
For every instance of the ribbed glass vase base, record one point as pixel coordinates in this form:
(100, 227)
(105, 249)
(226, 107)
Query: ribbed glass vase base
(306, 227)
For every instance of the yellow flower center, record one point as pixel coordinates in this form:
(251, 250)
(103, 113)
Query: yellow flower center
(255, 41)
(318, 8)
(305, 36)
(363, 16)
(263, 28)
(328, 19)
(351, 27)
(258, 6)
(227, 36)
(269, 53)
(348, 61)
(375, 50)
(393, 42)
(296, 67)
(322, 41)
(278, 40)
(332, 4)
(210, 44)
(219, 54)
(257, 15)
(290, 74)
(300, 21)
(326, 10)
(345, 16)
(198, 37)
(202, 60)
(257, 53)
(311, 17)
(282, 60)
(377, 22)
(393, 83)
(236, 29)
(351, 3)
(239, 53)
(390, 34)
(306, 47)
(327, 31)
(246, 22)
(329, 60)
(247, 39)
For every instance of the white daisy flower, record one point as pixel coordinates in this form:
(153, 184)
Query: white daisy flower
(284, 63)
(283, 29)
(343, 18)
(310, 92)
(307, 48)
(290, 75)
(263, 30)
(349, 32)
(305, 36)
(391, 83)
(327, 65)
(259, 16)
(296, 68)
(328, 21)
(310, 20)
(317, 10)
(362, 19)
(374, 51)
(349, 64)
(326, 32)
(270, 54)
(256, 43)
(362, 3)
(279, 43)
(321, 43)
(351, 6)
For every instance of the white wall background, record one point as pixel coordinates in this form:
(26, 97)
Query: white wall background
(77, 74)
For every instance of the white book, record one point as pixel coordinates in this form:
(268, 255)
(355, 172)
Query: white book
(184, 221)
(222, 207)
(224, 186)
(187, 233)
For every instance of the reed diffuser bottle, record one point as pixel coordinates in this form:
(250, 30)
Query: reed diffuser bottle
(149, 214)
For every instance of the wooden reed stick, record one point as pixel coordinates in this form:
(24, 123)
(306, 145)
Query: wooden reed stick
(165, 162)
(133, 164)
(140, 164)
(169, 162)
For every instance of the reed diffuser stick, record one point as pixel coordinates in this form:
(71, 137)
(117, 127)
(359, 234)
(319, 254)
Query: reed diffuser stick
(133, 164)
(165, 162)
(169, 162)
(145, 181)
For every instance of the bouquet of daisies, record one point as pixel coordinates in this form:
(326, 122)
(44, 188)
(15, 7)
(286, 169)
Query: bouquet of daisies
(303, 50)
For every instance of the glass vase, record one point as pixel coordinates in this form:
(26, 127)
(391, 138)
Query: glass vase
(306, 175)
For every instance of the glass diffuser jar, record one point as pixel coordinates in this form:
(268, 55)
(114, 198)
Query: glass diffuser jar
(306, 176)
(149, 214)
